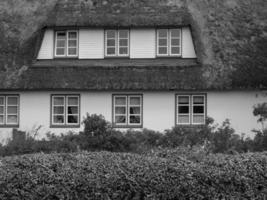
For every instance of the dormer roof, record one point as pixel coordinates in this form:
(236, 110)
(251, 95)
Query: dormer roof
(117, 13)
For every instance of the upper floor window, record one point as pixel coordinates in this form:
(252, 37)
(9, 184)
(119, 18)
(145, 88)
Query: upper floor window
(9, 110)
(191, 109)
(66, 44)
(169, 42)
(117, 42)
(65, 110)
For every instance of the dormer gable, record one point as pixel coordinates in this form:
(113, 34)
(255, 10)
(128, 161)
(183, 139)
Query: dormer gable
(125, 42)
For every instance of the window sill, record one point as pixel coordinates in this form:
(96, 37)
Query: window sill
(127, 126)
(9, 126)
(65, 126)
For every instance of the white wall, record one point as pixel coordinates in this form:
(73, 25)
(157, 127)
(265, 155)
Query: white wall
(47, 47)
(142, 43)
(158, 112)
(91, 44)
(188, 50)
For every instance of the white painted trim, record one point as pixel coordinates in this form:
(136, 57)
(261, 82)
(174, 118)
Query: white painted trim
(138, 106)
(55, 47)
(66, 47)
(114, 110)
(16, 114)
(53, 114)
(170, 39)
(78, 106)
(204, 109)
(177, 109)
(77, 43)
(3, 105)
(157, 45)
(118, 42)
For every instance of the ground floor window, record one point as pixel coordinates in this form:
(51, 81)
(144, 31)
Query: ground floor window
(127, 110)
(65, 110)
(190, 109)
(9, 110)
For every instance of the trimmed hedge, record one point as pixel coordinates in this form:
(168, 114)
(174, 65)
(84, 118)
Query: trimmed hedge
(166, 174)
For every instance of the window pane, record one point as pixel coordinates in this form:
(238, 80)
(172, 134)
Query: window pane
(111, 43)
(12, 110)
(183, 119)
(2, 101)
(72, 110)
(61, 43)
(73, 101)
(175, 42)
(135, 101)
(123, 42)
(199, 119)
(120, 110)
(58, 100)
(198, 100)
(123, 33)
(120, 119)
(135, 119)
(163, 33)
(135, 110)
(2, 110)
(72, 119)
(59, 119)
(72, 51)
(123, 50)
(162, 50)
(72, 35)
(175, 50)
(12, 101)
(60, 52)
(175, 33)
(111, 51)
(198, 109)
(72, 43)
(110, 34)
(183, 109)
(12, 119)
(61, 35)
(162, 42)
(183, 100)
(59, 110)
(120, 101)
(1, 119)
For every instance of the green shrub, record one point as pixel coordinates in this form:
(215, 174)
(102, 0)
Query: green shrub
(105, 175)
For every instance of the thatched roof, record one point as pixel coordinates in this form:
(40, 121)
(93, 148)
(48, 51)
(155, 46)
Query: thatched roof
(104, 13)
(99, 75)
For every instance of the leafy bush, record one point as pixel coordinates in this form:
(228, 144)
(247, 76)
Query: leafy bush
(106, 175)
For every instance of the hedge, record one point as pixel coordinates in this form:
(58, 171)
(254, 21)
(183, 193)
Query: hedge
(166, 174)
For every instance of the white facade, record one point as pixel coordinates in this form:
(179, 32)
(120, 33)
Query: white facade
(158, 109)
(91, 45)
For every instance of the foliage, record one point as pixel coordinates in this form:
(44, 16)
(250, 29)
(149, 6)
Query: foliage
(106, 175)
(98, 136)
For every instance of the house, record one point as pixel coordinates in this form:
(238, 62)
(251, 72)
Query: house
(136, 63)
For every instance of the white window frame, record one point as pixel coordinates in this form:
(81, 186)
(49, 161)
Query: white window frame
(170, 41)
(117, 44)
(66, 48)
(65, 114)
(139, 106)
(78, 107)
(191, 109)
(4, 110)
(169, 45)
(204, 111)
(6, 114)
(177, 109)
(114, 109)
(127, 108)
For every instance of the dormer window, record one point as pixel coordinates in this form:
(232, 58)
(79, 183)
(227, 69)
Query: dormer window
(117, 43)
(169, 42)
(66, 44)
